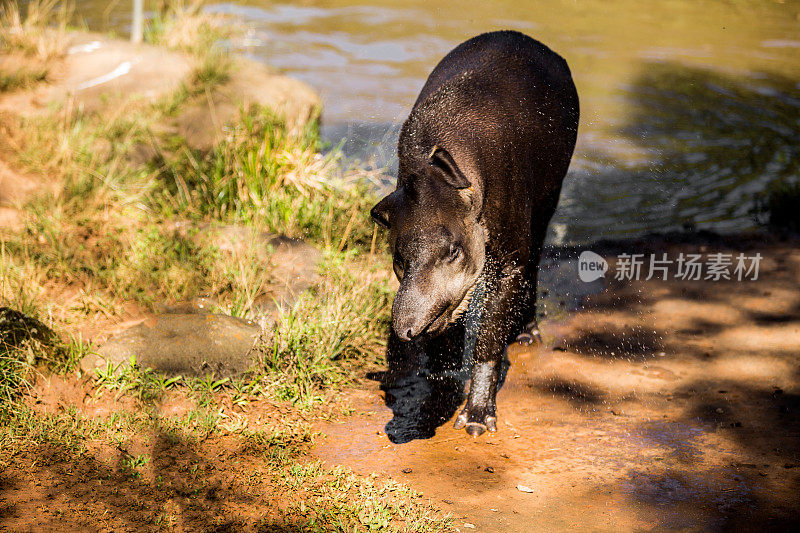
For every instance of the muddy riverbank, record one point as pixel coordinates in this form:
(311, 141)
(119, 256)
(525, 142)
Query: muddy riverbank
(665, 405)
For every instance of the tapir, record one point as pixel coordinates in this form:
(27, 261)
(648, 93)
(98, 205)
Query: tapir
(481, 160)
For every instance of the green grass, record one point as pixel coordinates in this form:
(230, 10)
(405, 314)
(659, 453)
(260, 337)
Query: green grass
(181, 25)
(335, 499)
(21, 79)
(121, 229)
(38, 29)
(26, 343)
(261, 172)
(329, 335)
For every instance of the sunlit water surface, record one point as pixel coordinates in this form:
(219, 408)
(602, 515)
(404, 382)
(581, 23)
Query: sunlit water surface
(688, 109)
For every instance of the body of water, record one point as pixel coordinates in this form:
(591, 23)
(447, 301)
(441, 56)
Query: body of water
(689, 109)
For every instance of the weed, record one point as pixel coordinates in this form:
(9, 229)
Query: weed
(21, 78)
(182, 25)
(40, 31)
(328, 333)
(147, 384)
(131, 464)
(335, 499)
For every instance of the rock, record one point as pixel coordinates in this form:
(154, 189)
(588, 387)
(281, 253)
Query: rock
(294, 270)
(201, 305)
(183, 344)
(16, 328)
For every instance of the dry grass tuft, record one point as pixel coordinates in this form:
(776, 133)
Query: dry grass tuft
(39, 32)
(182, 25)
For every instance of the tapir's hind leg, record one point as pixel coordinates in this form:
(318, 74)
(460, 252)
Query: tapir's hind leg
(538, 233)
(530, 332)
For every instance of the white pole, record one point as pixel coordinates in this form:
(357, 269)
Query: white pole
(136, 30)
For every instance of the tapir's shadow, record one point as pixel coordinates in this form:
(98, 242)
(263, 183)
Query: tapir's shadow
(425, 383)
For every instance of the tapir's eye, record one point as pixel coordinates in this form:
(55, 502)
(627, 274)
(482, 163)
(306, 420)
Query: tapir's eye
(399, 265)
(455, 252)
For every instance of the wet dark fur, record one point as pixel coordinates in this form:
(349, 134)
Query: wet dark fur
(481, 160)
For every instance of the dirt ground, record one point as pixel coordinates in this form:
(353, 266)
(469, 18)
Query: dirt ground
(656, 406)
(664, 406)
(219, 481)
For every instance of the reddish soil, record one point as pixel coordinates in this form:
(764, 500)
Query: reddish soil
(220, 482)
(666, 406)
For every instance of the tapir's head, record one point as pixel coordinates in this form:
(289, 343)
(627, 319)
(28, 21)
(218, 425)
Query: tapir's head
(437, 241)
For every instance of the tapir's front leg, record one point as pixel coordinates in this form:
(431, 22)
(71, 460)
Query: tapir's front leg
(500, 320)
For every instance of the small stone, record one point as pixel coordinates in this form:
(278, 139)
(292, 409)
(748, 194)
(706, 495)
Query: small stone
(183, 344)
(469, 526)
(719, 410)
(524, 488)
(448, 502)
(489, 469)
(406, 470)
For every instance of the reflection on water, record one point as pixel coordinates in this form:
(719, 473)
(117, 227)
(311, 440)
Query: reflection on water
(688, 108)
(708, 144)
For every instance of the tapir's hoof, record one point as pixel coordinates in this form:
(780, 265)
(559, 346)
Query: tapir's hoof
(475, 427)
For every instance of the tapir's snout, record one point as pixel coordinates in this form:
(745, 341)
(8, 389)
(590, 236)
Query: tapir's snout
(407, 320)
(413, 311)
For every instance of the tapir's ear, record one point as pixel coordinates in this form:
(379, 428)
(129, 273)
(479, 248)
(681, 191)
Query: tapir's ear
(380, 213)
(443, 161)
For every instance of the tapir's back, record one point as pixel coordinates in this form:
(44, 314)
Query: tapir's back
(498, 55)
(505, 103)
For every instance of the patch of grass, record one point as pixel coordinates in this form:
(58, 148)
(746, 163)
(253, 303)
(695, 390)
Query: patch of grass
(39, 29)
(335, 499)
(131, 464)
(262, 172)
(146, 384)
(14, 372)
(181, 25)
(21, 78)
(26, 342)
(329, 334)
